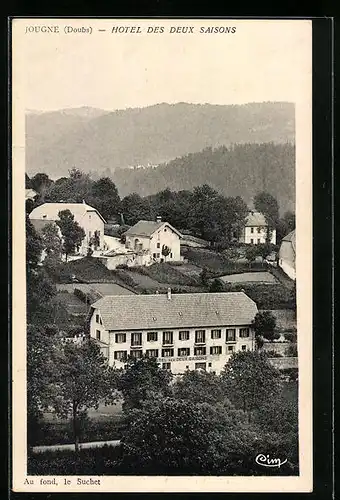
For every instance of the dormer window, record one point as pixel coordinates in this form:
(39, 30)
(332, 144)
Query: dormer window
(44, 216)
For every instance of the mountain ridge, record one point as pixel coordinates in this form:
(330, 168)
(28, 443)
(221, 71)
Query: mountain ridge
(96, 140)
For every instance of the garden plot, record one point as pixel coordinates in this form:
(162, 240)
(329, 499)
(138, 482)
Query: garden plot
(254, 277)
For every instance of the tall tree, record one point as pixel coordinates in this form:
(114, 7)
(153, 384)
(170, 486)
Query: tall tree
(134, 208)
(264, 324)
(84, 380)
(42, 360)
(105, 198)
(41, 183)
(250, 380)
(52, 242)
(269, 207)
(72, 233)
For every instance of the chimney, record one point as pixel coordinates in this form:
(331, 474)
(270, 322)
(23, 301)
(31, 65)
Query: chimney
(169, 294)
(84, 202)
(158, 218)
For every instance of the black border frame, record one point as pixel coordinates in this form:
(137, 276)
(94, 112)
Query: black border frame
(323, 257)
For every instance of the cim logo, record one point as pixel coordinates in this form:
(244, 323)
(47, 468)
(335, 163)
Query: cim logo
(266, 461)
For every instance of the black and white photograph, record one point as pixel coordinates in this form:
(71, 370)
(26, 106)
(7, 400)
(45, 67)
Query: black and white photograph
(162, 217)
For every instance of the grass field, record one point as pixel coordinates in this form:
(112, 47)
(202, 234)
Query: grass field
(254, 277)
(102, 288)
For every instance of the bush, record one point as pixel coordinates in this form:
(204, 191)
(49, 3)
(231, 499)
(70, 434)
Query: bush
(292, 351)
(122, 266)
(291, 373)
(276, 336)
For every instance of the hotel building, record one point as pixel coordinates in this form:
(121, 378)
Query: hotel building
(183, 331)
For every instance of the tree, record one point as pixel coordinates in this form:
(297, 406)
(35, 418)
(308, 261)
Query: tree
(165, 251)
(72, 233)
(141, 378)
(33, 247)
(41, 183)
(263, 250)
(72, 189)
(250, 380)
(95, 240)
(251, 254)
(264, 324)
(52, 244)
(168, 436)
(105, 198)
(199, 387)
(84, 380)
(269, 207)
(134, 208)
(42, 359)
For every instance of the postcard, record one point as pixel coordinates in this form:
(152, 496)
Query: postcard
(162, 255)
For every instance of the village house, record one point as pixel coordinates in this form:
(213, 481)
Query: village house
(159, 240)
(287, 255)
(87, 217)
(255, 230)
(183, 331)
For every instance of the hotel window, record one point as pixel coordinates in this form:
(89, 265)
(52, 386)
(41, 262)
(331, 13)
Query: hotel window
(167, 338)
(120, 355)
(216, 349)
(97, 318)
(136, 353)
(251, 229)
(98, 334)
(152, 353)
(252, 241)
(215, 334)
(158, 255)
(230, 348)
(158, 245)
(199, 351)
(244, 348)
(244, 332)
(183, 351)
(258, 229)
(166, 366)
(152, 336)
(258, 240)
(120, 338)
(167, 353)
(200, 336)
(200, 366)
(184, 335)
(170, 255)
(136, 339)
(154, 255)
(90, 234)
(230, 335)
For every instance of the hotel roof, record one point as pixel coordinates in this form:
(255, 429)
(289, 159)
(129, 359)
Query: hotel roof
(187, 310)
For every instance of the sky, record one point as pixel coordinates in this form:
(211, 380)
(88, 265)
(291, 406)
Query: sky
(261, 61)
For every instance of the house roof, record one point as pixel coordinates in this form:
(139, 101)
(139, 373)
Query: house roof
(148, 228)
(187, 310)
(255, 219)
(49, 211)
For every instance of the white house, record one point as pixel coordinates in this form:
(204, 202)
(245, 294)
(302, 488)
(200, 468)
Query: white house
(152, 238)
(287, 255)
(255, 230)
(87, 217)
(183, 331)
